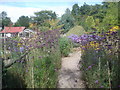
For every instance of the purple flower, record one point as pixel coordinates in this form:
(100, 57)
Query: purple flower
(74, 38)
(89, 67)
(101, 86)
(119, 86)
(18, 61)
(103, 38)
(21, 49)
(96, 81)
(15, 49)
(93, 64)
(40, 57)
(26, 70)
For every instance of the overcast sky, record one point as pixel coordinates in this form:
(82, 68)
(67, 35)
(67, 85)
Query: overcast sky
(17, 8)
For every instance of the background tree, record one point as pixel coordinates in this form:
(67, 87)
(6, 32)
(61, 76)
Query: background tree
(75, 10)
(76, 13)
(23, 21)
(98, 11)
(111, 17)
(90, 23)
(85, 9)
(5, 21)
(68, 20)
(41, 17)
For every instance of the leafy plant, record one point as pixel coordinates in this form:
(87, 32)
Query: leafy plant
(65, 46)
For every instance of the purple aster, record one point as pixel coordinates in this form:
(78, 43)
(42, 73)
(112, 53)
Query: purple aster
(21, 49)
(89, 67)
(96, 81)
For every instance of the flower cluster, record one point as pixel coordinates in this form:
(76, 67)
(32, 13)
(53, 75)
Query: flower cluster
(101, 49)
(74, 38)
(94, 40)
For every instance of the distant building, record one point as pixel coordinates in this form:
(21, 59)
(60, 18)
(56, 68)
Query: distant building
(26, 33)
(11, 31)
(16, 31)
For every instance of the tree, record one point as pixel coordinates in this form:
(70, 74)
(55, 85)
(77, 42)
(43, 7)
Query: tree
(111, 17)
(4, 15)
(68, 20)
(85, 9)
(23, 21)
(75, 10)
(5, 21)
(41, 17)
(90, 23)
(76, 13)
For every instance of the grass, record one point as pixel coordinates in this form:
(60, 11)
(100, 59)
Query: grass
(77, 30)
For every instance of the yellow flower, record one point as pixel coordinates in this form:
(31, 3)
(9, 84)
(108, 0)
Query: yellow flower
(97, 48)
(94, 44)
(19, 44)
(112, 30)
(115, 27)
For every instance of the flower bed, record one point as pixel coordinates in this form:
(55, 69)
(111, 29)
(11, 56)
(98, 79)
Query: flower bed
(100, 58)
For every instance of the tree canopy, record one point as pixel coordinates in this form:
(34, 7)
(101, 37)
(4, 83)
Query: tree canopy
(4, 21)
(23, 21)
(68, 20)
(42, 16)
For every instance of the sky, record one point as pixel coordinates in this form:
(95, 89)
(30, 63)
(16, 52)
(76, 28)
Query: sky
(17, 8)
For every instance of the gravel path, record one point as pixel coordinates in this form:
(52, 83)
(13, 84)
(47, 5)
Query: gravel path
(70, 75)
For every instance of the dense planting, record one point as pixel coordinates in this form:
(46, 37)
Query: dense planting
(100, 55)
(35, 60)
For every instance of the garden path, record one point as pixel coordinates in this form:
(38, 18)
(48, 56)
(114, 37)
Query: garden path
(70, 75)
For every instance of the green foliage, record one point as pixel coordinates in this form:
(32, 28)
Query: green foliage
(50, 25)
(76, 13)
(54, 24)
(97, 68)
(75, 10)
(98, 11)
(23, 21)
(43, 28)
(101, 66)
(111, 17)
(4, 20)
(65, 46)
(42, 70)
(77, 30)
(85, 9)
(13, 78)
(90, 23)
(45, 70)
(67, 20)
(42, 16)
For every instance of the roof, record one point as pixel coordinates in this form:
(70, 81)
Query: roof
(12, 29)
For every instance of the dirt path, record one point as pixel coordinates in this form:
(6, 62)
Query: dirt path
(69, 75)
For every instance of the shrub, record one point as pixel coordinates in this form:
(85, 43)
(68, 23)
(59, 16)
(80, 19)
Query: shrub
(77, 30)
(65, 46)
